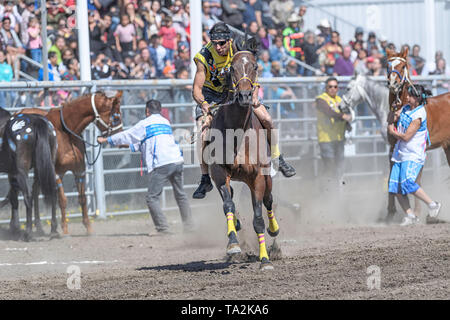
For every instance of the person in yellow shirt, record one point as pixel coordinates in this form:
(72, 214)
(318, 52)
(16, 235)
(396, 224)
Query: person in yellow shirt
(331, 126)
(210, 87)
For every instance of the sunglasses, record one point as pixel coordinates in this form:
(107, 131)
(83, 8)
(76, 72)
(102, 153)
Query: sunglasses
(330, 87)
(220, 43)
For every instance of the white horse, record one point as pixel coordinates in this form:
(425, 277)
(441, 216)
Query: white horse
(376, 95)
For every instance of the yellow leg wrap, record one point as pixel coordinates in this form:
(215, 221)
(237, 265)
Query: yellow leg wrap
(262, 247)
(273, 224)
(275, 151)
(230, 223)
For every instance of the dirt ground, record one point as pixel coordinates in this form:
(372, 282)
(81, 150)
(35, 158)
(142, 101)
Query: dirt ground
(334, 258)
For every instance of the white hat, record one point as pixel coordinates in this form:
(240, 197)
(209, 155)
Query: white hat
(324, 23)
(294, 17)
(382, 37)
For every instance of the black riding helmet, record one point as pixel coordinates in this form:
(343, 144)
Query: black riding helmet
(220, 31)
(420, 92)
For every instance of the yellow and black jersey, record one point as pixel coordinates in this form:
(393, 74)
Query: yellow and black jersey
(216, 66)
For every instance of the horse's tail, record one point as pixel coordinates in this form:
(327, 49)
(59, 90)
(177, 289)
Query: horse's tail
(44, 168)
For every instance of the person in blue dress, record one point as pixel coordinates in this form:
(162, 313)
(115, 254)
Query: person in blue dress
(409, 153)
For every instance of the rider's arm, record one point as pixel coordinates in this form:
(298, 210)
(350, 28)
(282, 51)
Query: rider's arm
(410, 132)
(199, 80)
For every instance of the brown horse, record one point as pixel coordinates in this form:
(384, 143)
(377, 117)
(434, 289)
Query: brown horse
(238, 149)
(438, 108)
(69, 122)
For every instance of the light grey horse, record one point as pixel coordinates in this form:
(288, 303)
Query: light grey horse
(376, 95)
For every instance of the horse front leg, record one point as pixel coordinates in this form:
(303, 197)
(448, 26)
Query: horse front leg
(222, 181)
(258, 191)
(81, 187)
(37, 216)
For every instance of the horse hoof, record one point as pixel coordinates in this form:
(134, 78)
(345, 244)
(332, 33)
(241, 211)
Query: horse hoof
(233, 249)
(27, 237)
(273, 234)
(40, 232)
(265, 265)
(55, 235)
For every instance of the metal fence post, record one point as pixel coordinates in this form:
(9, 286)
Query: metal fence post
(99, 183)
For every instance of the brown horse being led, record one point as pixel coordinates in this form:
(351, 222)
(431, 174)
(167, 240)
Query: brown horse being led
(438, 108)
(245, 157)
(69, 122)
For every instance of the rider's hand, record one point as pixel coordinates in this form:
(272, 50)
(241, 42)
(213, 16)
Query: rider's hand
(205, 107)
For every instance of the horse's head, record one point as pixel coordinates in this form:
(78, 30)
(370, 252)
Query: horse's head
(108, 117)
(353, 95)
(397, 72)
(243, 72)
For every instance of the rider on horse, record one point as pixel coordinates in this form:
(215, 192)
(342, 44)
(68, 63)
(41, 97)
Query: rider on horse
(210, 87)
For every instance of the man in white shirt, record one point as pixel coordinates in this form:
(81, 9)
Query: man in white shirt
(164, 161)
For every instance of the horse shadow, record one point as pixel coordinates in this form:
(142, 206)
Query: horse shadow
(195, 266)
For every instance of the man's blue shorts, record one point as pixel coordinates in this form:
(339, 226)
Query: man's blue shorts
(403, 177)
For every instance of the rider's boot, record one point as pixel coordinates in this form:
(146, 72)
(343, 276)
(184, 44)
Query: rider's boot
(280, 164)
(204, 187)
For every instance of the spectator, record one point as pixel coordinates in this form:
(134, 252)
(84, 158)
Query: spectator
(253, 30)
(135, 20)
(264, 38)
(344, 65)
(356, 47)
(73, 70)
(216, 7)
(232, 13)
(277, 52)
(252, 13)
(163, 157)
(331, 126)
(267, 15)
(101, 68)
(291, 69)
(420, 66)
(310, 49)
(207, 20)
(53, 72)
(96, 43)
(371, 42)
(27, 14)
(55, 11)
(360, 64)
(265, 64)
(324, 30)
(293, 38)
(125, 35)
(376, 69)
(108, 38)
(6, 75)
(180, 19)
(359, 38)
(183, 59)
(168, 35)
(57, 47)
(11, 40)
(441, 69)
(35, 40)
(383, 44)
(281, 10)
(332, 50)
(158, 54)
(275, 69)
(9, 12)
(301, 14)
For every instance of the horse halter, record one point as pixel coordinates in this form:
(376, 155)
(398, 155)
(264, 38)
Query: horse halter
(253, 84)
(112, 119)
(403, 79)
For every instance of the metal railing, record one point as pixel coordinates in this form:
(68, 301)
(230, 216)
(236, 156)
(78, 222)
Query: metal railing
(294, 117)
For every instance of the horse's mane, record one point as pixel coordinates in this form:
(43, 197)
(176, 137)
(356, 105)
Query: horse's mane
(77, 100)
(247, 43)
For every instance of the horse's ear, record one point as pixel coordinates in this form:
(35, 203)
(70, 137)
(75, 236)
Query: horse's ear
(405, 52)
(389, 52)
(119, 94)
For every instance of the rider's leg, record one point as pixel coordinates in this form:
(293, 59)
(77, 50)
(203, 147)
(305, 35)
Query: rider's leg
(205, 183)
(266, 120)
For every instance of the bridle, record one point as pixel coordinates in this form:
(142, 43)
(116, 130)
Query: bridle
(253, 84)
(396, 89)
(112, 119)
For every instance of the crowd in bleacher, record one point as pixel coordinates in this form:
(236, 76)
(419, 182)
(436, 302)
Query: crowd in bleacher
(143, 39)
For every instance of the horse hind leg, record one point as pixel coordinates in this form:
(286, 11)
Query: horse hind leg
(273, 230)
(37, 216)
(62, 205)
(81, 186)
